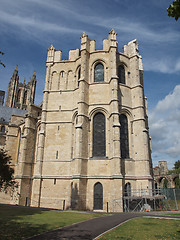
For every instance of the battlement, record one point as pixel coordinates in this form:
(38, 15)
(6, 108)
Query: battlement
(131, 49)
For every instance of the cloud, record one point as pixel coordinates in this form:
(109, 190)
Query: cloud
(35, 23)
(162, 64)
(164, 122)
(64, 17)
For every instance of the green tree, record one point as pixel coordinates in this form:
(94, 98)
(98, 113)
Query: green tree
(174, 9)
(6, 172)
(177, 164)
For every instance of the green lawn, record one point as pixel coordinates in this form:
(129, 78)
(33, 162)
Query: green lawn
(17, 223)
(146, 229)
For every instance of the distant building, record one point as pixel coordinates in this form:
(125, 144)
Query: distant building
(88, 144)
(2, 95)
(162, 179)
(20, 95)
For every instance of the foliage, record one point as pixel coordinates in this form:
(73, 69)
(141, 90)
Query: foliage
(174, 9)
(21, 222)
(145, 228)
(1, 63)
(176, 168)
(177, 164)
(6, 172)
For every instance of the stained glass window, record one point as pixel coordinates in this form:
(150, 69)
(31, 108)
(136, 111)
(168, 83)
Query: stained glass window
(121, 74)
(99, 138)
(99, 73)
(124, 139)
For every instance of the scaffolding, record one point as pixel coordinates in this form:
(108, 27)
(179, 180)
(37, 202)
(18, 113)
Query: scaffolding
(151, 199)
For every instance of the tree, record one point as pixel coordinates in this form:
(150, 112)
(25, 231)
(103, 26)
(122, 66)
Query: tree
(174, 9)
(6, 172)
(1, 63)
(177, 164)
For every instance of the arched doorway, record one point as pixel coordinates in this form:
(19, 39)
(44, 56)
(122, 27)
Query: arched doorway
(127, 190)
(98, 196)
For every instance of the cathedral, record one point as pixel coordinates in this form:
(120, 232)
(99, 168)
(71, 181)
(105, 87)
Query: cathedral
(87, 144)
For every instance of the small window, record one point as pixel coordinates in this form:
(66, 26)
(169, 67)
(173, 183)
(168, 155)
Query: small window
(121, 74)
(62, 74)
(56, 154)
(99, 73)
(79, 73)
(3, 129)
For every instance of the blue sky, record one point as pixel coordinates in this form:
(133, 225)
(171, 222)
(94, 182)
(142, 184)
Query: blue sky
(29, 27)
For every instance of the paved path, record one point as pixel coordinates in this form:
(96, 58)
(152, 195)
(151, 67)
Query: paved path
(92, 228)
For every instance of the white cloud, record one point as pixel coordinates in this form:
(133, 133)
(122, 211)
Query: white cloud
(164, 121)
(35, 23)
(162, 64)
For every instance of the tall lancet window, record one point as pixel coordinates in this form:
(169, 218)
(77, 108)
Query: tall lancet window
(99, 73)
(19, 95)
(99, 135)
(124, 139)
(121, 74)
(25, 97)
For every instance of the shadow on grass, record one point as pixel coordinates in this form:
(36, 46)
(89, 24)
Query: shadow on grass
(13, 226)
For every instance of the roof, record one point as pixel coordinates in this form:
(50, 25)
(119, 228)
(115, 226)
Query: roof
(7, 112)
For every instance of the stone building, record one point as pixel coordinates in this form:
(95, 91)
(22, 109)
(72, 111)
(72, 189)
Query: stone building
(20, 95)
(89, 143)
(162, 177)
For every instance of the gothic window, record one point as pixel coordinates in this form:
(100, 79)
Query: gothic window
(124, 140)
(2, 129)
(25, 97)
(99, 73)
(19, 95)
(121, 74)
(127, 189)
(98, 196)
(99, 138)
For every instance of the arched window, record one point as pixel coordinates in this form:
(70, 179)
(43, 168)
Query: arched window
(25, 97)
(19, 95)
(98, 196)
(99, 135)
(127, 189)
(3, 129)
(124, 139)
(121, 74)
(99, 73)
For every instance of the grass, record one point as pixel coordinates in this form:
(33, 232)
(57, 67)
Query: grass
(17, 223)
(146, 229)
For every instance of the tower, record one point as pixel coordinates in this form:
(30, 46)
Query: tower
(93, 142)
(20, 95)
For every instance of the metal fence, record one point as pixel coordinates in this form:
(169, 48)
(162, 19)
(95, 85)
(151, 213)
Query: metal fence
(151, 199)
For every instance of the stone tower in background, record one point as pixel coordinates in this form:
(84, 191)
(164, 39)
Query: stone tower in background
(20, 95)
(2, 95)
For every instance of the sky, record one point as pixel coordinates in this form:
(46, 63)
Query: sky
(29, 27)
